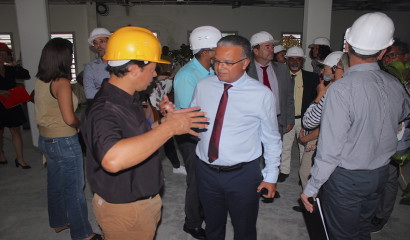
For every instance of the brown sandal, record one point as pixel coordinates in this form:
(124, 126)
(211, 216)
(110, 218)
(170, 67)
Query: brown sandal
(59, 229)
(97, 237)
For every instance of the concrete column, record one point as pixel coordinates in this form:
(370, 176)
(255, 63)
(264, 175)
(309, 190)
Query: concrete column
(316, 23)
(33, 28)
(91, 15)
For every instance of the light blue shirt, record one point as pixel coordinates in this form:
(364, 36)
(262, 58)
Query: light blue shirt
(250, 121)
(94, 74)
(185, 81)
(360, 119)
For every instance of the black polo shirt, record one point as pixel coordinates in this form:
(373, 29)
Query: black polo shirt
(112, 116)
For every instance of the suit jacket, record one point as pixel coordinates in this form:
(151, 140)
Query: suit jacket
(310, 82)
(286, 101)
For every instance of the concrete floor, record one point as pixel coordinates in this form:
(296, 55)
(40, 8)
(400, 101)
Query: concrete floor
(23, 205)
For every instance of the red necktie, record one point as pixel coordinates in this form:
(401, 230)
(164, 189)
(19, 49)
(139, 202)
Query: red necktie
(265, 77)
(213, 150)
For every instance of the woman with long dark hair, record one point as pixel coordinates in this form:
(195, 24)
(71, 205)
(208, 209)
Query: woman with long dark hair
(58, 141)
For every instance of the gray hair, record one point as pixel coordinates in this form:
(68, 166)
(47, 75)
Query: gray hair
(236, 40)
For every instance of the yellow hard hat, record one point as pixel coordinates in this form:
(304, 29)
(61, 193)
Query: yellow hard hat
(133, 43)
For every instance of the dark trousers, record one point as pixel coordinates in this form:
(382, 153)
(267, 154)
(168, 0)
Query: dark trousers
(234, 192)
(388, 197)
(350, 199)
(193, 209)
(170, 150)
(171, 153)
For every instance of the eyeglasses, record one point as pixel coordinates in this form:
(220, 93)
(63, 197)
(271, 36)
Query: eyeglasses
(227, 64)
(336, 67)
(392, 55)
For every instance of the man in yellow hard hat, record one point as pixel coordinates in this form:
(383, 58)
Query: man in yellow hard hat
(123, 165)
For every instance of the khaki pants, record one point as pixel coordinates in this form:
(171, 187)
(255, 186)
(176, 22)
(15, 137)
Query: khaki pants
(287, 143)
(306, 164)
(136, 220)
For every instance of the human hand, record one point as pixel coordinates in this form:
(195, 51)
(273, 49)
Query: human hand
(4, 93)
(301, 133)
(289, 127)
(271, 187)
(166, 106)
(11, 64)
(310, 147)
(306, 203)
(184, 120)
(321, 89)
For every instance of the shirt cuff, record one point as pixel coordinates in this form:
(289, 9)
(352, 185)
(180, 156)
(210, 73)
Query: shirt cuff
(310, 190)
(270, 177)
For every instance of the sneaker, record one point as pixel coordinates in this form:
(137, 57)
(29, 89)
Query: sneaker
(180, 170)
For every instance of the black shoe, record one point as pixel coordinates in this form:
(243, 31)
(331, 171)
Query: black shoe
(22, 166)
(270, 200)
(377, 224)
(297, 209)
(198, 232)
(282, 177)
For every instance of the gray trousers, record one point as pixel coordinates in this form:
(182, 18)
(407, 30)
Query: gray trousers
(389, 194)
(350, 199)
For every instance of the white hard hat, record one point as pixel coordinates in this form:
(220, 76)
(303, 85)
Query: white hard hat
(370, 33)
(320, 41)
(278, 48)
(333, 58)
(261, 37)
(295, 52)
(204, 37)
(98, 32)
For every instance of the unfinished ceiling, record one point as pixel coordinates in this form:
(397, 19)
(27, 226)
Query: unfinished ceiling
(371, 5)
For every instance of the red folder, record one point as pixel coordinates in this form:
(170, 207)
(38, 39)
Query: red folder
(16, 96)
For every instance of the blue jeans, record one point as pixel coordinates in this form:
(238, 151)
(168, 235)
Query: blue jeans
(65, 184)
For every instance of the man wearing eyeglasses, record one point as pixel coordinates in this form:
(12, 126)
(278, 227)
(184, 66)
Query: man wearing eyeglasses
(399, 51)
(203, 43)
(95, 71)
(242, 116)
(304, 84)
(275, 76)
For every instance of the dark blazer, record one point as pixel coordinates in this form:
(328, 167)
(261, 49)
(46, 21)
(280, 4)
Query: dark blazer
(286, 101)
(310, 82)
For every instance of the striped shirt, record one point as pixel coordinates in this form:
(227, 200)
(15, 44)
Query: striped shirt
(311, 118)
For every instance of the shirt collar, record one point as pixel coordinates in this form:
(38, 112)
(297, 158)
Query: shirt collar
(198, 65)
(238, 83)
(117, 95)
(363, 67)
(258, 65)
(99, 61)
(296, 73)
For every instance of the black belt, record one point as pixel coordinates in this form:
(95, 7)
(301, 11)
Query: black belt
(146, 197)
(218, 168)
(298, 117)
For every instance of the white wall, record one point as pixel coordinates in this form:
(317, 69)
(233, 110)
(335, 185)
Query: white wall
(73, 19)
(341, 20)
(174, 22)
(8, 24)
